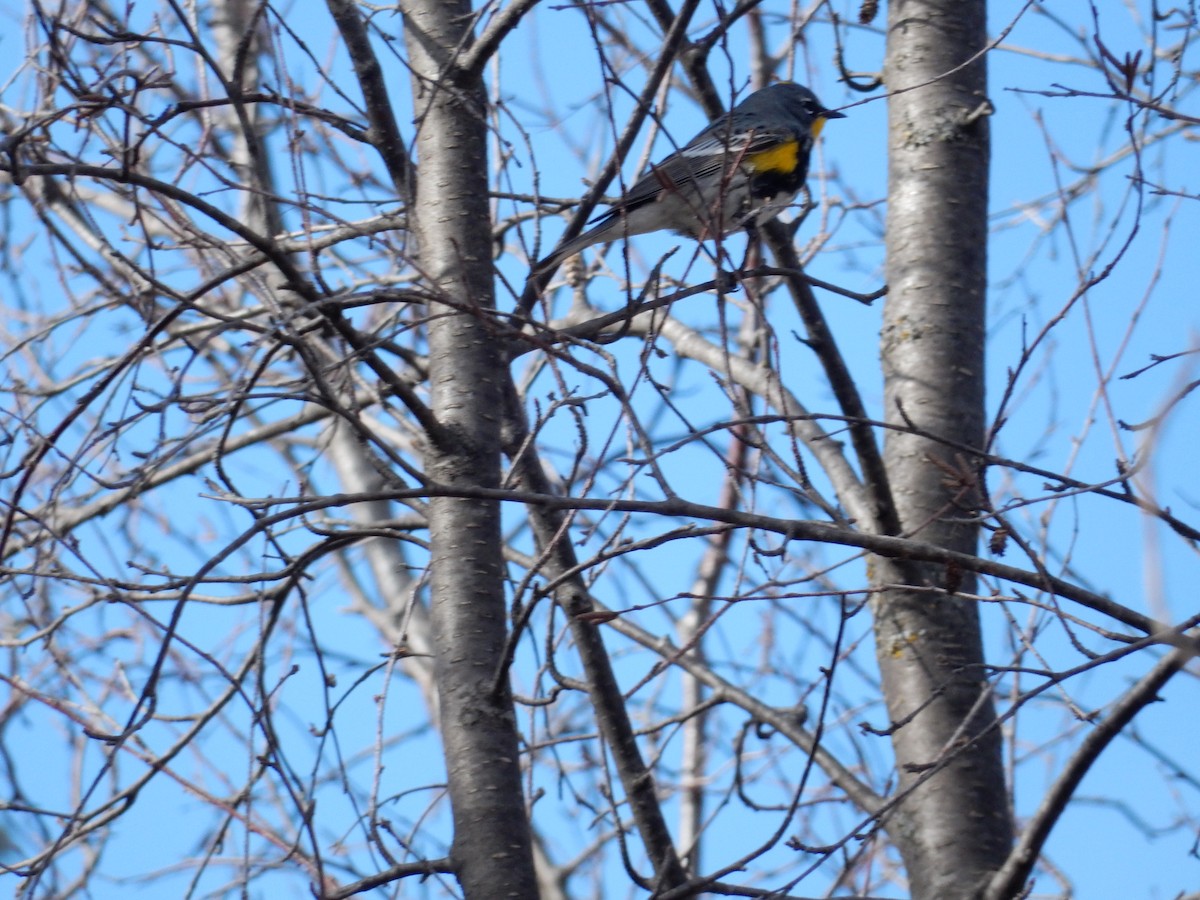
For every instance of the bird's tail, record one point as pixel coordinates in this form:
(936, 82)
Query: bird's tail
(570, 248)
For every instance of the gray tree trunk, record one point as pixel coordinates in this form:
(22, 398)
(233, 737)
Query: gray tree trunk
(953, 826)
(492, 848)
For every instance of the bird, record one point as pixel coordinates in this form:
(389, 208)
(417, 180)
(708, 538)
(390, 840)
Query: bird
(739, 172)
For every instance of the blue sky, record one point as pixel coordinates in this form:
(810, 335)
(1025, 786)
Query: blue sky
(1058, 420)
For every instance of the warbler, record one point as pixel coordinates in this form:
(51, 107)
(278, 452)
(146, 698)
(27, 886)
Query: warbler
(738, 172)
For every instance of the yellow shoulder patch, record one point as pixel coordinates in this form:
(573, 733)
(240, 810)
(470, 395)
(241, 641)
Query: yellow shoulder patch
(781, 158)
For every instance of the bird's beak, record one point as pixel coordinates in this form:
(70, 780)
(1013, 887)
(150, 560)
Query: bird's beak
(825, 116)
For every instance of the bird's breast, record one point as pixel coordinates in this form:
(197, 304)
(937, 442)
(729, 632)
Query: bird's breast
(781, 159)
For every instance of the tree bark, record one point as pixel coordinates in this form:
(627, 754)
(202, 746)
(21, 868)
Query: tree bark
(953, 825)
(492, 848)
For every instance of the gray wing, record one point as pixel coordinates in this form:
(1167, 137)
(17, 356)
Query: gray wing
(706, 155)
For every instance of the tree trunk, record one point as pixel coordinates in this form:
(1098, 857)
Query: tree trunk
(953, 825)
(492, 850)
